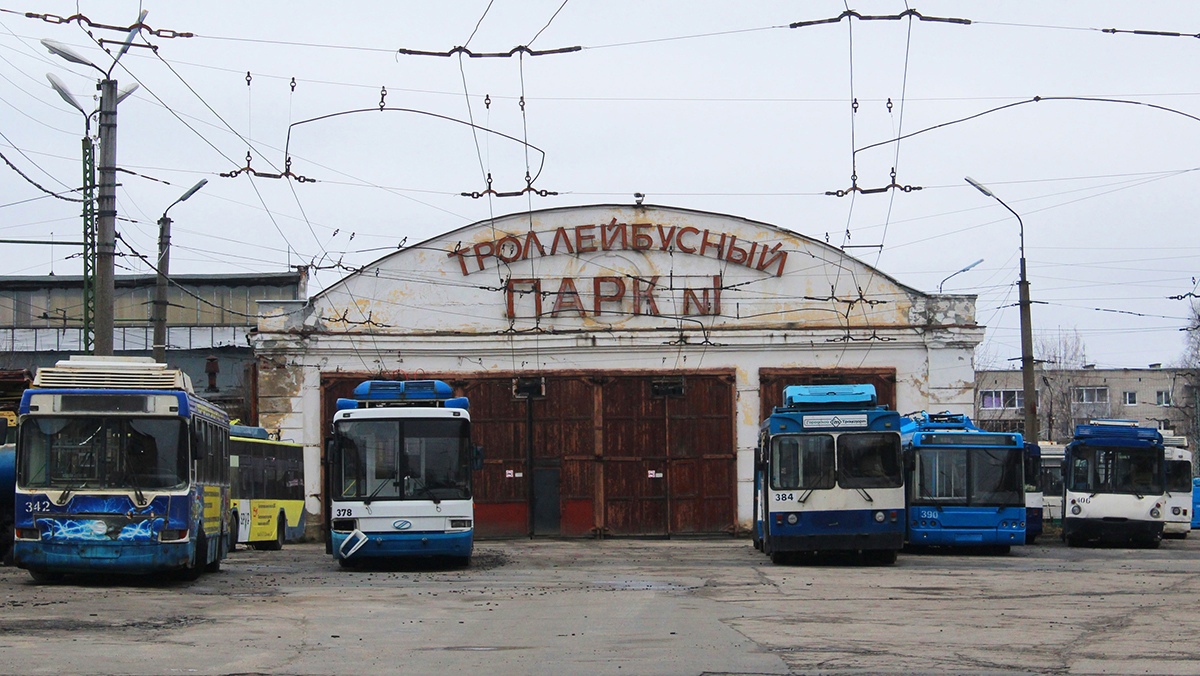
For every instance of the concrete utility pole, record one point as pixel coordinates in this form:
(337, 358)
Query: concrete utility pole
(106, 219)
(1029, 386)
(106, 190)
(159, 314)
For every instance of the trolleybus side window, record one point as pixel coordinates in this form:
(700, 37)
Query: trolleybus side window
(869, 460)
(803, 462)
(1179, 476)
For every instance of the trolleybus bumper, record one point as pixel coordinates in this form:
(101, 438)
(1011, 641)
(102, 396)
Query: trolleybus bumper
(837, 542)
(1111, 530)
(396, 545)
(966, 537)
(101, 557)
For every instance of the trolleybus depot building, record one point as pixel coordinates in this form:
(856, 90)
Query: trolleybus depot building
(618, 359)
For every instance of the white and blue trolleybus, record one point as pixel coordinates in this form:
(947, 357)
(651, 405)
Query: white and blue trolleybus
(1115, 484)
(829, 475)
(398, 472)
(120, 468)
(1178, 511)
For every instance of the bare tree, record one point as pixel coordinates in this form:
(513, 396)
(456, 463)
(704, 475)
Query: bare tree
(1060, 356)
(1191, 363)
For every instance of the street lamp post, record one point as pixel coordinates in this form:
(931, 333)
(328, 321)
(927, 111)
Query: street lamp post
(1029, 388)
(106, 198)
(959, 272)
(159, 348)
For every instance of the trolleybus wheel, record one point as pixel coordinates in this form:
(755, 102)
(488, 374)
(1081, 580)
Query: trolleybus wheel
(879, 557)
(43, 577)
(233, 532)
(196, 567)
(276, 544)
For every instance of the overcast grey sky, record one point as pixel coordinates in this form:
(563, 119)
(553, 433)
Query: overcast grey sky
(703, 105)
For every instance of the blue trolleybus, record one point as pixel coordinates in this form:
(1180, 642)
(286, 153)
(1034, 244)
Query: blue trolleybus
(1035, 502)
(966, 487)
(1114, 485)
(829, 475)
(120, 469)
(398, 469)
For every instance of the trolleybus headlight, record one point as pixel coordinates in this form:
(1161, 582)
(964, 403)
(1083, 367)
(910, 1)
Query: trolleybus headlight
(793, 519)
(1076, 509)
(1155, 513)
(172, 534)
(460, 523)
(27, 534)
(1175, 511)
(344, 525)
(880, 517)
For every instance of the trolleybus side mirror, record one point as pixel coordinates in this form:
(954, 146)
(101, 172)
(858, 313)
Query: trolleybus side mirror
(4, 431)
(476, 457)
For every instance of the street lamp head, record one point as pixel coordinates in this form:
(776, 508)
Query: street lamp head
(191, 191)
(958, 273)
(194, 189)
(61, 88)
(132, 34)
(124, 93)
(978, 186)
(59, 49)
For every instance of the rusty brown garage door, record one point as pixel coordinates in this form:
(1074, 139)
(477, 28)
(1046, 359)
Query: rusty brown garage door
(644, 454)
(669, 455)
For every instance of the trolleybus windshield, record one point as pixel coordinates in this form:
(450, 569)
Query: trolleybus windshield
(869, 460)
(863, 460)
(803, 462)
(969, 476)
(103, 452)
(403, 460)
(1102, 469)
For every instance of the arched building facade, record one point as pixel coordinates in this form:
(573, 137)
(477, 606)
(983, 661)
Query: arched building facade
(618, 358)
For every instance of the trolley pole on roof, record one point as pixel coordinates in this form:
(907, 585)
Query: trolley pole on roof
(1028, 386)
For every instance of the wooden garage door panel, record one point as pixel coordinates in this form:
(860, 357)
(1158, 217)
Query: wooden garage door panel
(701, 501)
(634, 503)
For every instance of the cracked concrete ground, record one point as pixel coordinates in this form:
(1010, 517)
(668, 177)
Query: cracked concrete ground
(623, 607)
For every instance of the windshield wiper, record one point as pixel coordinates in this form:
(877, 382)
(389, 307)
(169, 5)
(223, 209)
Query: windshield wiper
(420, 486)
(378, 488)
(865, 494)
(66, 493)
(139, 496)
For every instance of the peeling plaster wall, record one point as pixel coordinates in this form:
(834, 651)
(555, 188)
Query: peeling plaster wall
(415, 311)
